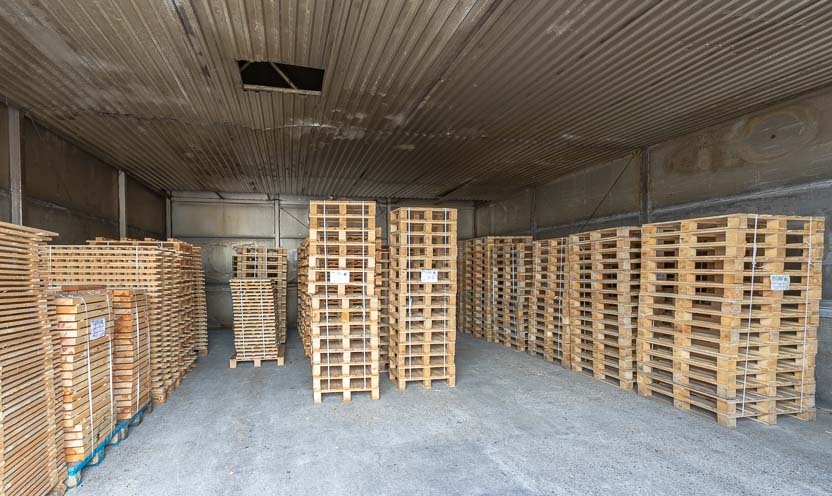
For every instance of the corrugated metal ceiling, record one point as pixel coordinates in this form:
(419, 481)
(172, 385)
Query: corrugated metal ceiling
(459, 99)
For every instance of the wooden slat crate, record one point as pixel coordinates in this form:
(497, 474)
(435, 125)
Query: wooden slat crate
(31, 431)
(604, 271)
(344, 338)
(550, 300)
(85, 325)
(511, 291)
(257, 333)
(423, 292)
(382, 275)
(729, 313)
(478, 255)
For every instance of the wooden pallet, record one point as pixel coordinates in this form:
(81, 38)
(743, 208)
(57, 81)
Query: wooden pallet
(304, 298)
(31, 432)
(278, 357)
(715, 336)
(423, 292)
(550, 300)
(512, 283)
(343, 303)
(382, 281)
(604, 268)
(257, 330)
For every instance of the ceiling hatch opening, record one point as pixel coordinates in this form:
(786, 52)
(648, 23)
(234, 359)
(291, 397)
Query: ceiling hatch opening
(286, 78)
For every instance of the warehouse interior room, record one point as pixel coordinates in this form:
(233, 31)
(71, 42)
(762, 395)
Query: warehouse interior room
(415, 246)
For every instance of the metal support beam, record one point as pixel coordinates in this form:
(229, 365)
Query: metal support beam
(644, 191)
(277, 221)
(122, 205)
(168, 218)
(15, 167)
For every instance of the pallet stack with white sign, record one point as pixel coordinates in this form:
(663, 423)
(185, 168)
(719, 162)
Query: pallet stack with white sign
(550, 300)
(84, 323)
(729, 315)
(604, 272)
(511, 291)
(344, 338)
(31, 433)
(423, 292)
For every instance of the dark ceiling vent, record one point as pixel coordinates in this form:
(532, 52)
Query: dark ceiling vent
(273, 76)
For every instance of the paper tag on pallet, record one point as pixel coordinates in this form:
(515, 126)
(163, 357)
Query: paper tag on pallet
(339, 276)
(780, 282)
(430, 275)
(98, 328)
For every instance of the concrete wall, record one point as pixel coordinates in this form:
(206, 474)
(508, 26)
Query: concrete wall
(217, 224)
(72, 192)
(774, 161)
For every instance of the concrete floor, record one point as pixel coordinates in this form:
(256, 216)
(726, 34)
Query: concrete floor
(513, 425)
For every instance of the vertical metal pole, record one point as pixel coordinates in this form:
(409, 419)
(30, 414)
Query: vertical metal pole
(277, 221)
(15, 167)
(645, 195)
(122, 205)
(168, 217)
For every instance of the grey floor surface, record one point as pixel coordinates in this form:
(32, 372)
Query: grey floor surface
(513, 425)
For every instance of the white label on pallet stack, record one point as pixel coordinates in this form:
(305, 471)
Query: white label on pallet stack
(430, 275)
(780, 282)
(98, 328)
(339, 276)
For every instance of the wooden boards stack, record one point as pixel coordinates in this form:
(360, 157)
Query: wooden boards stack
(423, 292)
(465, 281)
(131, 351)
(200, 304)
(257, 335)
(382, 275)
(511, 288)
(604, 268)
(31, 434)
(729, 315)
(133, 265)
(84, 323)
(550, 300)
(344, 338)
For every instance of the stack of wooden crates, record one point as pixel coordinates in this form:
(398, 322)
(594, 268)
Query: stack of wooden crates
(31, 435)
(382, 275)
(729, 315)
(258, 296)
(343, 303)
(423, 292)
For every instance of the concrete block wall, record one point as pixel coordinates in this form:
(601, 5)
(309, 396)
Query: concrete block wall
(777, 160)
(72, 192)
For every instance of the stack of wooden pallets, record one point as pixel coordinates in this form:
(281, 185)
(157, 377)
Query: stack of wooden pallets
(511, 291)
(136, 265)
(343, 316)
(84, 323)
(478, 256)
(604, 271)
(131, 351)
(304, 298)
(423, 292)
(257, 335)
(729, 315)
(550, 300)
(465, 281)
(382, 275)
(200, 304)
(265, 263)
(31, 433)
